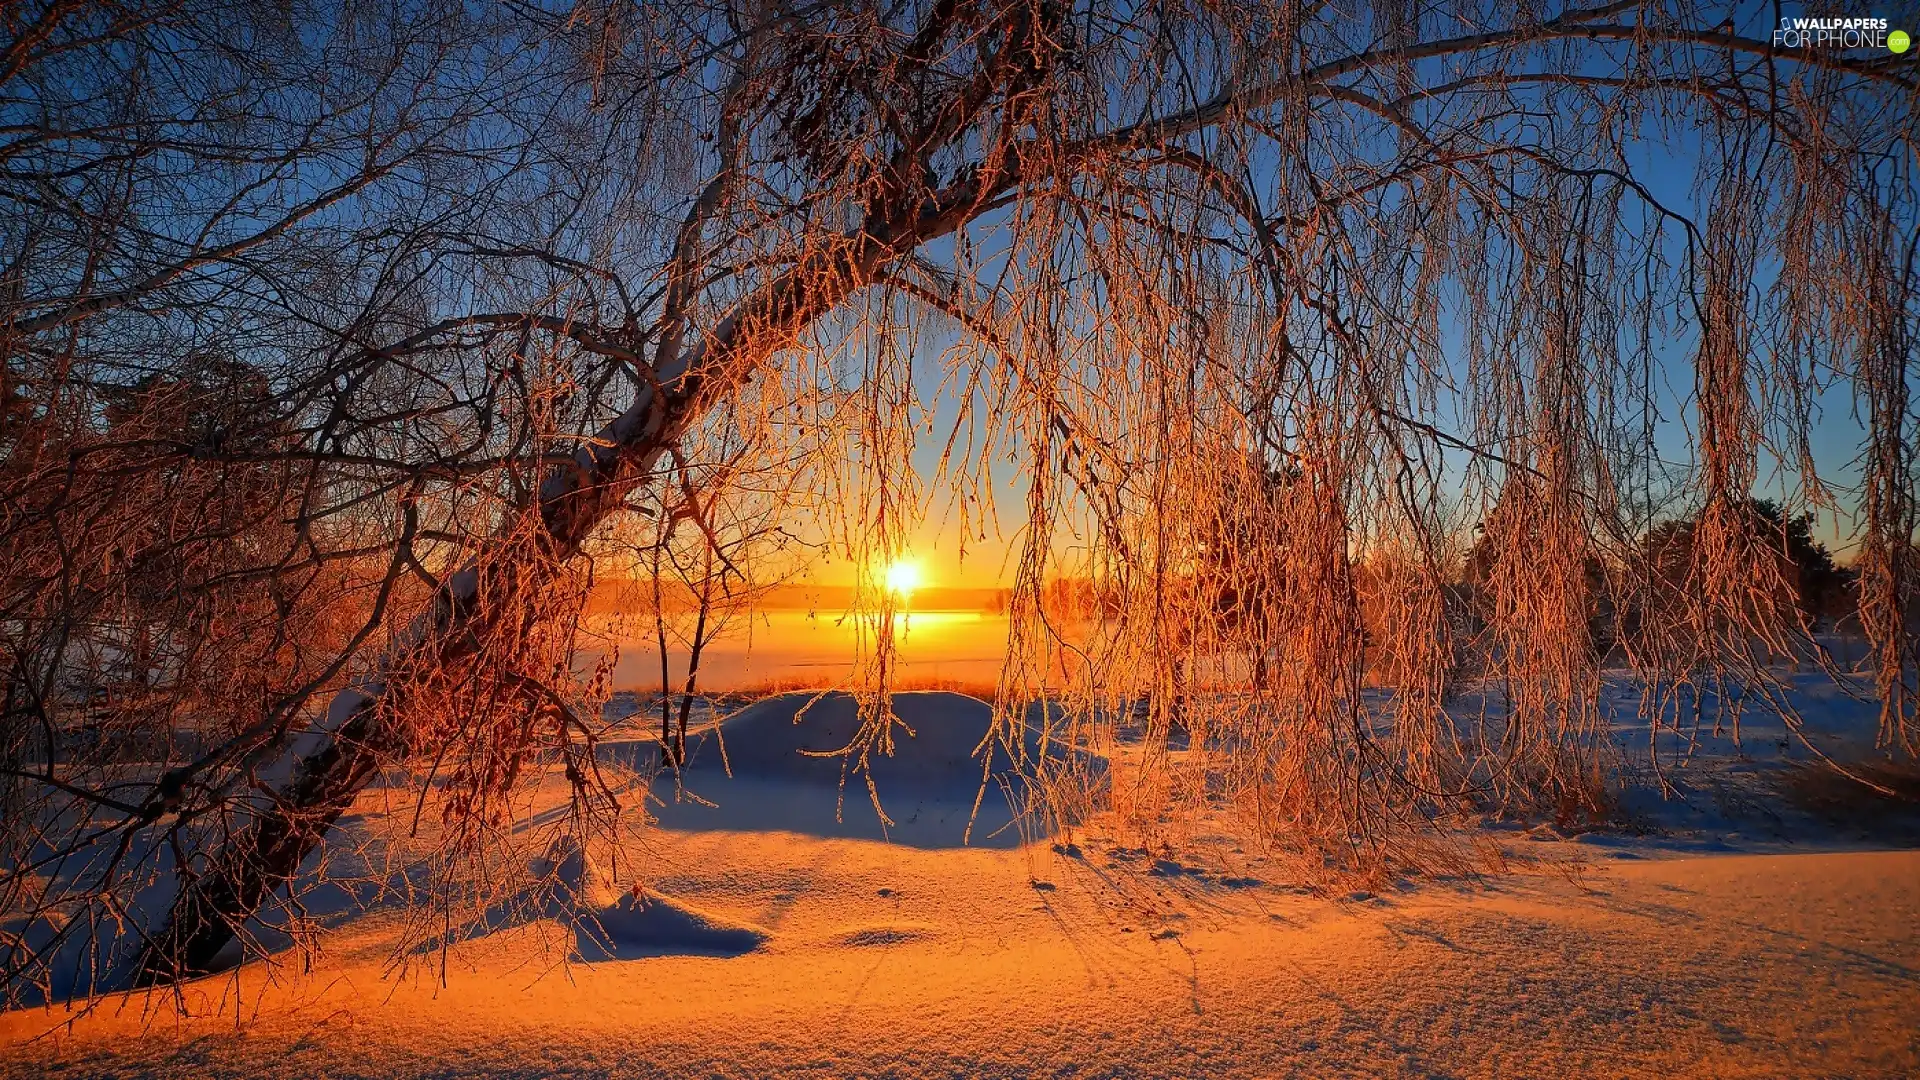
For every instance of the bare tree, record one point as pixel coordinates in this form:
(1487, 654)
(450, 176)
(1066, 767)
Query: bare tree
(714, 548)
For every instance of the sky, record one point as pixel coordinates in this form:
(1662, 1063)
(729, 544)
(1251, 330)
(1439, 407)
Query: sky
(1665, 161)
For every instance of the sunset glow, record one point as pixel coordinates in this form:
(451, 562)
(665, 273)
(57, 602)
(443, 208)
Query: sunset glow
(902, 578)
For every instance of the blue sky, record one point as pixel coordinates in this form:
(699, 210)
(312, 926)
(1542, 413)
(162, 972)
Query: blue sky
(1666, 163)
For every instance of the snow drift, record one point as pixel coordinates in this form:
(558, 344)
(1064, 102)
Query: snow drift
(607, 922)
(789, 763)
(611, 923)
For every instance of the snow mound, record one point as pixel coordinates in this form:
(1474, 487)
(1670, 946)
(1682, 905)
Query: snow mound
(611, 923)
(792, 763)
(939, 742)
(648, 924)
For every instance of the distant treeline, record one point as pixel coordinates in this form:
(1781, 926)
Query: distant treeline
(1646, 584)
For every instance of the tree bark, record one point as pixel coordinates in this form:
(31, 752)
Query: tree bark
(214, 903)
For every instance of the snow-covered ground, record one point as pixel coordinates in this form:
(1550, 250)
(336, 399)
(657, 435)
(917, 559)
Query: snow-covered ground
(1727, 929)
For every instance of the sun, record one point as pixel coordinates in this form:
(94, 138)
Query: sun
(902, 578)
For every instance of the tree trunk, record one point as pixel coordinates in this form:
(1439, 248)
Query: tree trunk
(215, 902)
(693, 659)
(288, 825)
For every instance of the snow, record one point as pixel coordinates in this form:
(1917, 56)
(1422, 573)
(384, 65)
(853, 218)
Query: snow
(781, 765)
(771, 938)
(611, 923)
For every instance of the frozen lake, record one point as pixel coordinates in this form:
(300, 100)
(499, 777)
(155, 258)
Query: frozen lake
(966, 646)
